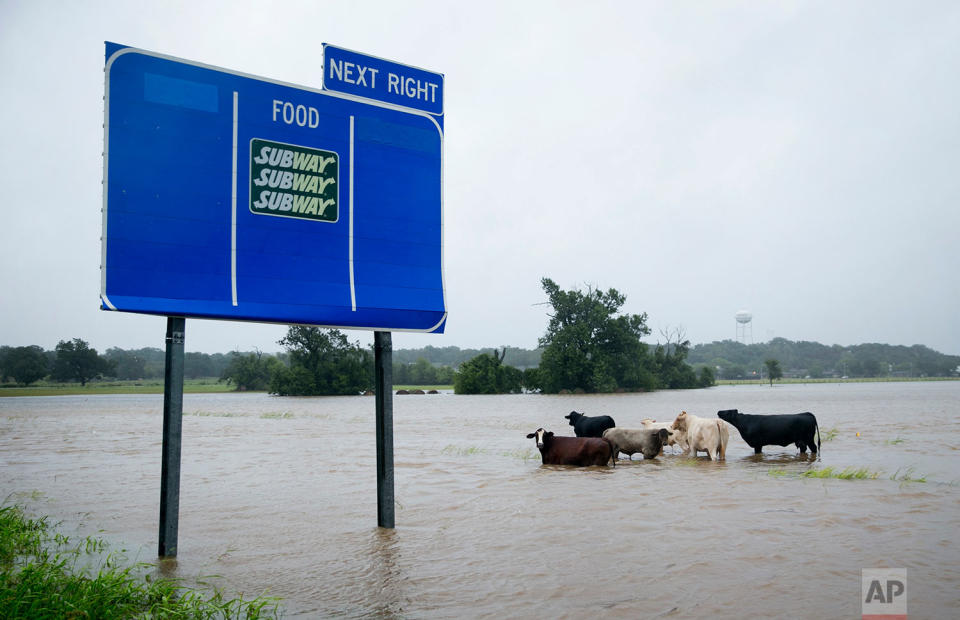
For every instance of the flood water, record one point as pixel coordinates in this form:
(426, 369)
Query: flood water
(278, 496)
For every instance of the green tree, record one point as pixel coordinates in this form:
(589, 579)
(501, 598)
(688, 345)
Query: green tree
(128, 364)
(706, 378)
(322, 362)
(590, 345)
(24, 364)
(76, 361)
(773, 370)
(487, 374)
(531, 379)
(252, 371)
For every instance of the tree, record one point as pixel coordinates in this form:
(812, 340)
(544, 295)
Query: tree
(251, 371)
(128, 364)
(590, 345)
(487, 374)
(24, 364)
(773, 370)
(670, 364)
(76, 361)
(322, 362)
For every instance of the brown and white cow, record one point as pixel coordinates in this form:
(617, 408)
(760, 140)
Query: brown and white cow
(579, 451)
(708, 435)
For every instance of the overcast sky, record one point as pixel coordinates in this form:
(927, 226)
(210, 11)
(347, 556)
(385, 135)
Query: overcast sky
(800, 160)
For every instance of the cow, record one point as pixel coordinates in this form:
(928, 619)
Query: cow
(672, 440)
(781, 430)
(579, 451)
(589, 426)
(702, 435)
(648, 441)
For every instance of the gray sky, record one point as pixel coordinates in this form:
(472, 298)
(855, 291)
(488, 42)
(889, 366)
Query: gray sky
(795, 159)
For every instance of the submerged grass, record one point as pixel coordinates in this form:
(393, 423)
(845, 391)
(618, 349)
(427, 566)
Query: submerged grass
(829, 434)
(277, 415)
(44, 574)
(849, 473)
(460, 451)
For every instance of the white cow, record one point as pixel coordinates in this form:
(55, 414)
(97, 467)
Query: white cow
(673, 439)
(703, 435)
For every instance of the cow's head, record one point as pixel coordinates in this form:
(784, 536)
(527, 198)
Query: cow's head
(541, 436)
(664, 435)
(728, 415)
(680, 424)
(573, 416)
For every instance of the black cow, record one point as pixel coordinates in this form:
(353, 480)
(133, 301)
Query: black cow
(780, 430)
(589, 426)
(580, 451)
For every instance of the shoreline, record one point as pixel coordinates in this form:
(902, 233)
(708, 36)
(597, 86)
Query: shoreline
(212, 386)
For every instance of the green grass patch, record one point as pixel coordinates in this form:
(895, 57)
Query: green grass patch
(834, 380)
(460, 451)
(425, 388)
(149, 386)
(848, 473)
(894, 442)
(525, 454)
(907, 475)
(829, 434)
(46, 575)
(276, 415)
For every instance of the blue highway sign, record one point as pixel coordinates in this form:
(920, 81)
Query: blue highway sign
(357, 74)
(230, 196)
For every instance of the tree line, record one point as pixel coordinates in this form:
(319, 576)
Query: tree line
(589, 346)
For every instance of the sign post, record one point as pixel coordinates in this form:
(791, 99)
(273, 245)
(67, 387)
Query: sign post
(172, 432)
(383, 361)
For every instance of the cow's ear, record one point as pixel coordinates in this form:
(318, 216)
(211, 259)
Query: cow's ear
(531, 435)
(548, 434)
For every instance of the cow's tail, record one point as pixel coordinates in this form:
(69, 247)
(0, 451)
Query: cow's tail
(724, 436)
(613, 451)
(818, 433)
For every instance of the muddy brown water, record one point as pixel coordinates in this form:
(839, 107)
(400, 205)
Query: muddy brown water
(278, 495)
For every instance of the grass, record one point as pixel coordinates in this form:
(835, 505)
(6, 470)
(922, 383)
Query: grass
(525, 454)
(894, 442)
(469, 451)
(147, 386)
(44, 574)
(277, 415)
(834, 380)
(829, 434)
(849, 473)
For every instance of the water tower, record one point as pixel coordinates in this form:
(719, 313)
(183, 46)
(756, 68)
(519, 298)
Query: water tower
(744, 326)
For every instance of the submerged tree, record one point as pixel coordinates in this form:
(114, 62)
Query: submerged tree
(322, 362)
(589, 344)
(773, 370)
(252, 371)
(487, 374)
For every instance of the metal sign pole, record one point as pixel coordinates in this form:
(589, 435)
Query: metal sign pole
(172, 425)
(383, 364)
